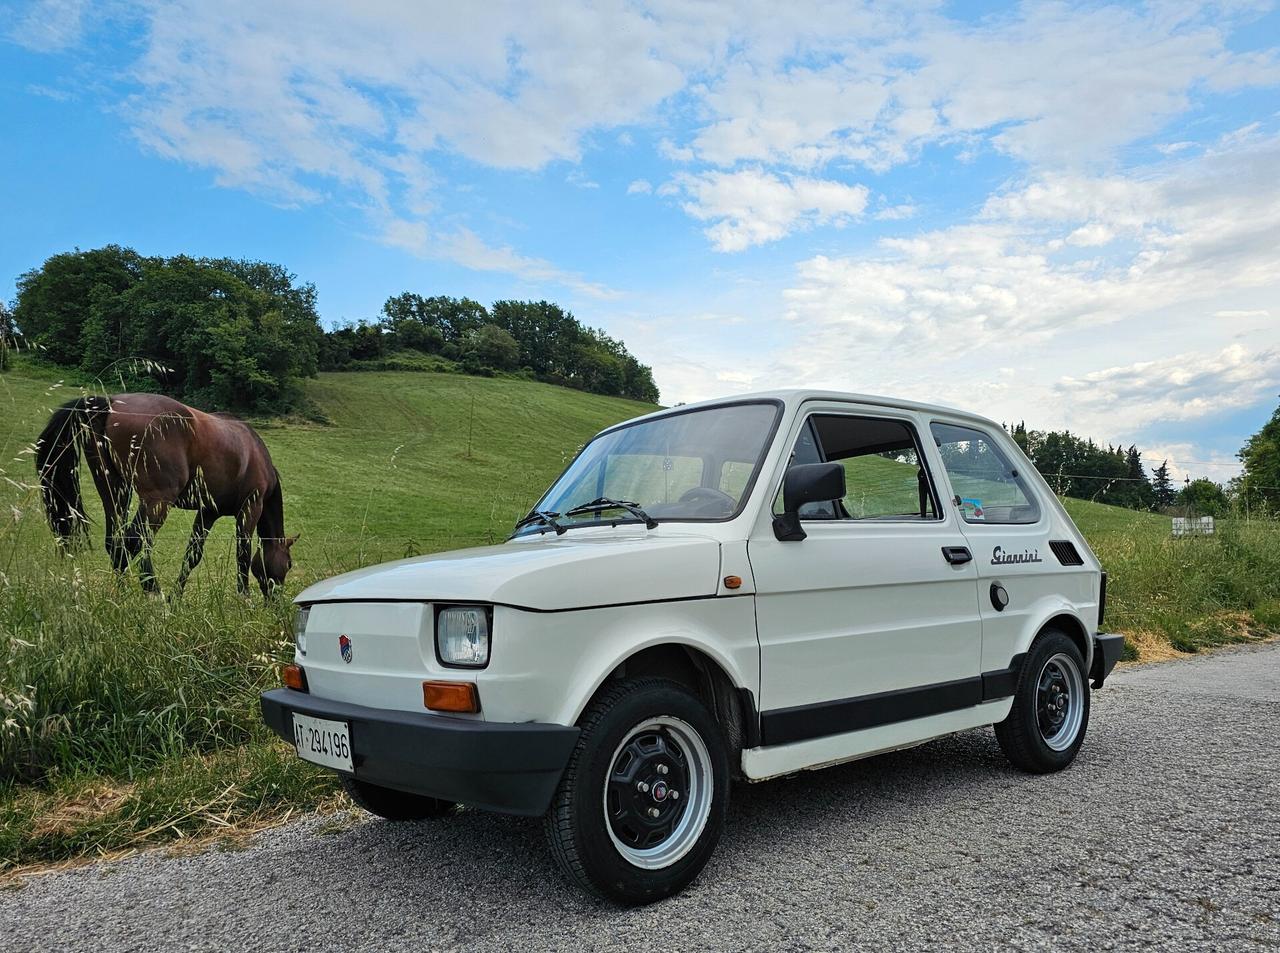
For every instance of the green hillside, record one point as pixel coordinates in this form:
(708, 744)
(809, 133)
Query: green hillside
(409, 462)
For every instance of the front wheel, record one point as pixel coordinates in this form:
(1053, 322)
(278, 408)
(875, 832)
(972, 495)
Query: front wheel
(1050, 713)
(642, 802)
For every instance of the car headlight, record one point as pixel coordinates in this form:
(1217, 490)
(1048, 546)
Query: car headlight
(300, 629)
(462, 636)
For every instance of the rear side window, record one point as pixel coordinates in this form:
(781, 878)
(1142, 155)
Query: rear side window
(988, 487)
(884, 476)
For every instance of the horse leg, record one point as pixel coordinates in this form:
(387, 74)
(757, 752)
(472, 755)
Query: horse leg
(141, 537)
(195, 547)
(246, 523)
(115, 492)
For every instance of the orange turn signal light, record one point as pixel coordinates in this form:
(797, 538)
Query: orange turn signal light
(294, 677)
(451, 696)
(733, 582)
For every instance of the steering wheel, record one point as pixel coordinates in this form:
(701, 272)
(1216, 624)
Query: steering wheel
(705, 498)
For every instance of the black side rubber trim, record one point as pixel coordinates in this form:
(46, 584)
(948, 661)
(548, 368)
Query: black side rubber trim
(786, 725)
(1002, 683)
(803, 722)
(750, 718)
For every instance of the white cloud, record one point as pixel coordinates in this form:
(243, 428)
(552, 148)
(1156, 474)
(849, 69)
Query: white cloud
(305, 102)
(751, 207)
(1182, 387)
(316, 102)
(1091, 235)
(640, 187)
(1242, 315)
(1032, 83)
(50, 25)
(1191, 233)
(1187, 462)
(897, 213)
(466, 248)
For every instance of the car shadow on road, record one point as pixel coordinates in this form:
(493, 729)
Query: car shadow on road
(511, 876)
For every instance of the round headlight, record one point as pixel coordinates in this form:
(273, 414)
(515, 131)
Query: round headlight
(462, 636)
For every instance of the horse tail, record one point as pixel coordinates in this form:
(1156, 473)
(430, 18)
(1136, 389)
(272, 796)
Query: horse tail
(58, 463)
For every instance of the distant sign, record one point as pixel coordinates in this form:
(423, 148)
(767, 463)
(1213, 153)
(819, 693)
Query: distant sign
(1193, 526)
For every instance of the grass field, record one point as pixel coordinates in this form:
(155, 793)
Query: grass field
(126, 720)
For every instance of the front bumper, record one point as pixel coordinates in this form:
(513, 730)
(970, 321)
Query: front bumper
(512, 768)
(1107, 648)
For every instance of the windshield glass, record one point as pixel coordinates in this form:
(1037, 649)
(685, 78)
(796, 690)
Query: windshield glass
(689, 466)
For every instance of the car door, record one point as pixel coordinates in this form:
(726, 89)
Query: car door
(1022, 579)
(865, 622)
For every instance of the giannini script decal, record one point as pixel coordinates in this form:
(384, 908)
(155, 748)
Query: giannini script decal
(1000, 558)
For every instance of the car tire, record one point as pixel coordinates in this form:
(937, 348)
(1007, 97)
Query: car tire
(642, 802)
(1050, 714)
(393, 805)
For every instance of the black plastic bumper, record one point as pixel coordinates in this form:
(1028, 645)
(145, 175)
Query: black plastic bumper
(512, 768)
(1107, 648)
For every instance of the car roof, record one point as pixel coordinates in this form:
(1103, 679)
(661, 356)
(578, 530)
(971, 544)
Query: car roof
(795, 396)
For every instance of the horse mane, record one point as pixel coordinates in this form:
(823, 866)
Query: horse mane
(271, 523)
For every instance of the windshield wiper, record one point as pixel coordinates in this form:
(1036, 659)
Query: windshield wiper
(604, 503)
(546, 518)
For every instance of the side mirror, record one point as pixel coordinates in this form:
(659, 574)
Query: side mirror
(806, 483)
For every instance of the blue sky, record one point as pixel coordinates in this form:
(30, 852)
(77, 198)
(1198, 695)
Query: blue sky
(1063, 213)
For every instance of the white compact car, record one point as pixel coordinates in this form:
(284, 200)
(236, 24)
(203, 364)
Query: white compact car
(736, 589)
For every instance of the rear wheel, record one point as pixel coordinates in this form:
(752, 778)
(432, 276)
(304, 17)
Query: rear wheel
(1050, 713)
(393, 805)
(642, 802)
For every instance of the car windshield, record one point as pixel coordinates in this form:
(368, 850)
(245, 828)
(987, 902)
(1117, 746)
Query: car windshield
(687, 466)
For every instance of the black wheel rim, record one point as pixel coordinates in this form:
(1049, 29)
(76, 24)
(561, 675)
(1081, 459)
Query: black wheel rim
(1059, 702)
(657, 793)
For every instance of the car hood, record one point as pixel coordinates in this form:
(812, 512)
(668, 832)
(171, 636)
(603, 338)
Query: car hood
(544, 574)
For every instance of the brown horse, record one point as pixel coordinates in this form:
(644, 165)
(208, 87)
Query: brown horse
(171, 455)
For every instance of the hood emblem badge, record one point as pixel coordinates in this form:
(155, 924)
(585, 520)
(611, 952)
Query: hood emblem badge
(344, 646)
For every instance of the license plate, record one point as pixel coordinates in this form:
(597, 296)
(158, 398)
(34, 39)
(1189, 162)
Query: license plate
(322, 741)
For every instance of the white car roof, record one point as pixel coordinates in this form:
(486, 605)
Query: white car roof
(793, 397)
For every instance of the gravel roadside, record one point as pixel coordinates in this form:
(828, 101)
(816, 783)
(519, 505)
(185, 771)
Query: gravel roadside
(1165, 834)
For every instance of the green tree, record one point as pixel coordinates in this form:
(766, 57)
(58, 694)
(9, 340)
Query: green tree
(1259, 483)
(6, 336)
(1204, 498)
(451, 317)
(489, 348)
(231, 334)
(56, 299)
(1163, 493)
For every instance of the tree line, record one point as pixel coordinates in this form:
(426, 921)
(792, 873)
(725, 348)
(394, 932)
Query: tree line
(538, 338)
(242, 335)
(1080, 468)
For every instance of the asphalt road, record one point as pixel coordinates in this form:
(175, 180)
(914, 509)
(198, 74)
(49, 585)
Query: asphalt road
(1165, 834)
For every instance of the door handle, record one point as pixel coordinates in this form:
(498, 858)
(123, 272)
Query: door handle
(957, 555)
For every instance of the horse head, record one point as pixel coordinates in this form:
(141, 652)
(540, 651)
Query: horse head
(272, 563)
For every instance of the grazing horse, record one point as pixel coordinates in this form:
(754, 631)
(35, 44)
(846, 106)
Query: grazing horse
(171, 455)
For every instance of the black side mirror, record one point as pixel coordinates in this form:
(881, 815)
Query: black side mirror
(806, 483)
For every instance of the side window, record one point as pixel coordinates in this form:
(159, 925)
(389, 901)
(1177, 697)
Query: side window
(989, 487)
(884, 476)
